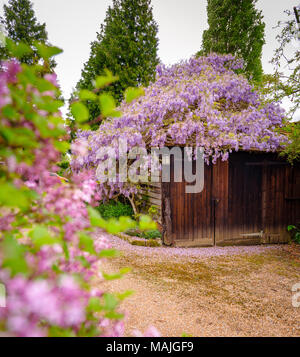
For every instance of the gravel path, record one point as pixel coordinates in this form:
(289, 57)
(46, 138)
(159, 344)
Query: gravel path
(231, 291)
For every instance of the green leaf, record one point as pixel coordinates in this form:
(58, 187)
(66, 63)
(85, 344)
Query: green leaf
(126, 223)
(94, 305)
(113, 315)
(103, 81)
(83, 262)
(10, 196)
(290, 228)
(66, 250)
(18, 50)
(28, 75)
(51, 106)
(110, 301)
(125, 295)
(79, 111)
(95, 218)
(109, 253)
(86, 243)
(62, 146)
(23, 137)
(133, 93)
(116, 276)
(186, 335)
(85, 94)
(44, 128)
(43, 86)
(146, 223)
(41, 236)
(113, 226)
(55, 331)
(20, 221)
(108, 106)
(9, 112)
(14, 256)
(45, 51)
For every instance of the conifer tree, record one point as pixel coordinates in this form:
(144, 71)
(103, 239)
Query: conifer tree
(21, 25)
(127, 46)
(236, 27)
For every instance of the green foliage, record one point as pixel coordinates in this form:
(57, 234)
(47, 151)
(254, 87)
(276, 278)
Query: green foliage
(63, 165)
(292, 151)
(115, 209)
(295, 233)
(40, 236)
(146, 223)
(79, 112)
(287, 84)
(12, 197)
(127, 45)
(148, 234)
(104, 104)
(108, 106)
(153, 211)
(132, 93)
(152, 234)
(14, 256)
(22, 27)
(236, 27)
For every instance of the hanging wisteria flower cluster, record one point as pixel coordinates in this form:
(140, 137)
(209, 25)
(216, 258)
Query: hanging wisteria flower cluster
(201, 102)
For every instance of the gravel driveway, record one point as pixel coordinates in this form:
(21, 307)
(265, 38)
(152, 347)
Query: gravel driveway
(231, 291)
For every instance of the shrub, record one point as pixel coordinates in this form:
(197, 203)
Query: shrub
(295, 232)
(115, 209)
(152, 234)
(148, 234)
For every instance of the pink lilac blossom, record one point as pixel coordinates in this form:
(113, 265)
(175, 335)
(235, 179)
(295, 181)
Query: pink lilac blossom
(45, 296)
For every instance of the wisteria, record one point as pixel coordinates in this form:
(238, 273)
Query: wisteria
(201, 102)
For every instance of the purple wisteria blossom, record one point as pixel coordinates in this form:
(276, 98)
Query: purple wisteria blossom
(203, 101)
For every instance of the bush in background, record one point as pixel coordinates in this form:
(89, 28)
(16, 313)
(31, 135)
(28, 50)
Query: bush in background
(115, 209)
(295, 233)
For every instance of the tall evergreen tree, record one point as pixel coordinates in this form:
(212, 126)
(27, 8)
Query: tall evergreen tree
(21, 25)
(236, 27)
(126, 45)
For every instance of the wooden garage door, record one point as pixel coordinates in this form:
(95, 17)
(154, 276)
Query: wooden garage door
(245, 220)
(192, 214)
(249, 199)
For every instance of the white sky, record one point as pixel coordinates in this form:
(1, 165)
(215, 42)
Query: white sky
(72, 25)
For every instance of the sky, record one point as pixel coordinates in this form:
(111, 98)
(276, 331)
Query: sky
(72, 26)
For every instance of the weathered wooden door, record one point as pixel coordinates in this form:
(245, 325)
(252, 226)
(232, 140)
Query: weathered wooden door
(245, 197)
(191, 214)
(258, 207)
(249, 199)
